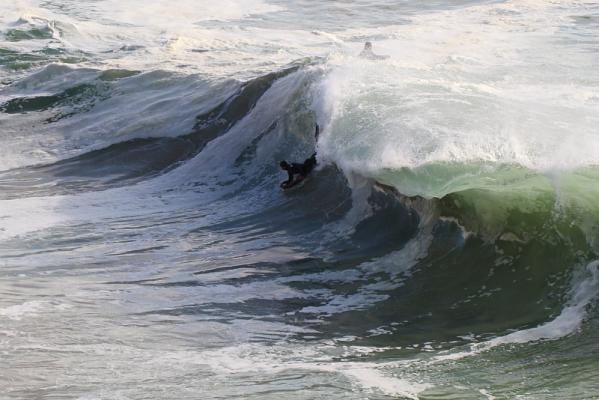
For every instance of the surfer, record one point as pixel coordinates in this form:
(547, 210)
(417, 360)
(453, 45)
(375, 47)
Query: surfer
(298, 172)
(369, 54)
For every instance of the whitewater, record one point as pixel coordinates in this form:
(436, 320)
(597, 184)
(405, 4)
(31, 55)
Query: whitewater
(445, 247)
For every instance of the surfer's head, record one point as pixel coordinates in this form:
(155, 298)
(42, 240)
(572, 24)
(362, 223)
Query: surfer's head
(367, 46)
(284, 165)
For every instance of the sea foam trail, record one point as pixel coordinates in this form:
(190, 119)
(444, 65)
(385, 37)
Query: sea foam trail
(276, 360)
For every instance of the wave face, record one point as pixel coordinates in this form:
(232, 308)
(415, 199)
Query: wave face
(445, 247)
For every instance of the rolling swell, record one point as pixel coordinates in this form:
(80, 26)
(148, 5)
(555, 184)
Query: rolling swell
(127, 162)
(450, 256)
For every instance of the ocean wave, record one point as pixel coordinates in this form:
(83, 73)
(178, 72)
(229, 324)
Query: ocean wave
(446, 212)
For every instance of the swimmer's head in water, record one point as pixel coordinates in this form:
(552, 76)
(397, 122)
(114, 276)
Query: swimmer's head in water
(367, 46)
(284, 165)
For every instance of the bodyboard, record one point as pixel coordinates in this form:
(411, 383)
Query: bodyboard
(295, 184)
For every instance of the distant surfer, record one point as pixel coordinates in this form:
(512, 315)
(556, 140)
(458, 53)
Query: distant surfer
(298, 172)
(369, 54)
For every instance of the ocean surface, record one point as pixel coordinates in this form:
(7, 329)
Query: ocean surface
(446, 246)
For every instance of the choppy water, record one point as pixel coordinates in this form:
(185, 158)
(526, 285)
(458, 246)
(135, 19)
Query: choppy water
(445, 248)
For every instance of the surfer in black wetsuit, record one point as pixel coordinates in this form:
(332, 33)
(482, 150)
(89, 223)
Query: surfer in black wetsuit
(297, 172)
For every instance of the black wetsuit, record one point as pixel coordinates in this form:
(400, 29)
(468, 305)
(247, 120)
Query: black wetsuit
(301, 169)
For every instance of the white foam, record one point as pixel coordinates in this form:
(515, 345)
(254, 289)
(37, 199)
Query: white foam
(495, 83)
(276, 360)
(30, 309)
(18, 217)
(161, 36)
(374, 379)
(488, 395)
(19, 311)
(163, 15)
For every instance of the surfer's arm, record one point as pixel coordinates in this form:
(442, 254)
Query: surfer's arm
(288, 181)
(316, 132)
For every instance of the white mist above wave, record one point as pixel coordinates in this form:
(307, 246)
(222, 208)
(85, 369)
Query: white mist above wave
(508, 83)
(505, 82)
